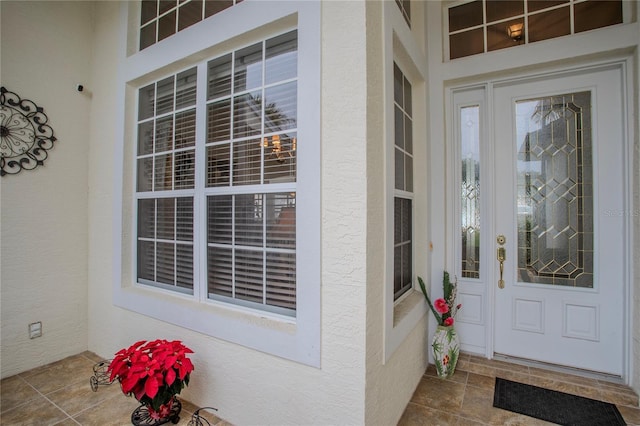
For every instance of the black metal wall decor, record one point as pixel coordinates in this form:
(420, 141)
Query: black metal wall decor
(25, 136)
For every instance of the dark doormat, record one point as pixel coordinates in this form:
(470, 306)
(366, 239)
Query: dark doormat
(553, 406)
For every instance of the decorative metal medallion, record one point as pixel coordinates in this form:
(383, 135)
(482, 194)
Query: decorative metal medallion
(25, 136)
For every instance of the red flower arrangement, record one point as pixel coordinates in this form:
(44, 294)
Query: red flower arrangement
(153, 372)
(444, 309)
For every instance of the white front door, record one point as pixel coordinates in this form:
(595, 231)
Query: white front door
(543, 181)
(559, 202)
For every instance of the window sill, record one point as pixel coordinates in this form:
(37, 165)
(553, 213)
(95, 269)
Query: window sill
(406, 306)
(407, 314)
(280, 336)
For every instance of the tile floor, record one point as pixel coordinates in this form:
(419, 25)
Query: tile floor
(467, 397)
(56, 394)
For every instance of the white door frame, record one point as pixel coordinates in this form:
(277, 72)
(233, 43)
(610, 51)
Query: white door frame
(488, 294)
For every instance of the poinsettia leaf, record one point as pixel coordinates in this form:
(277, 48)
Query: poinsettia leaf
(151, 387)
(129, 383)
(185, 368)
(138, 392)
(170, 361)
(170, 377)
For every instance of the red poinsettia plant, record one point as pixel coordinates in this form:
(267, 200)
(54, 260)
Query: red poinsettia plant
(153, 372)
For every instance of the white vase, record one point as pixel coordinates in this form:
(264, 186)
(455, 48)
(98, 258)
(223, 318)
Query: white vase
(446, 348)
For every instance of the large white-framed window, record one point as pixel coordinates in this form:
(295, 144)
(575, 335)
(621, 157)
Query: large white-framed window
(249, 171)
(220, 213)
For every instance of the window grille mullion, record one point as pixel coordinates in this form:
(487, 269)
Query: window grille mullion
(232, 107)
(155, 240)
(264, 196)
(233, 246)
(175, 236)
(200, 252)
(263, 151)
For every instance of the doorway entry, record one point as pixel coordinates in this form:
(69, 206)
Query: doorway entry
(541, 235)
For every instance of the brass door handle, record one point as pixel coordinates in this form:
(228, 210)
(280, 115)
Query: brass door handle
(502, 256)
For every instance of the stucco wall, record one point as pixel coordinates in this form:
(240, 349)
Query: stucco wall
(390, 383)
(46, 51)
(247, 386)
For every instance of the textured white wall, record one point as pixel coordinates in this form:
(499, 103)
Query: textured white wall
(389, 384)
(46, 50)
(250, 387)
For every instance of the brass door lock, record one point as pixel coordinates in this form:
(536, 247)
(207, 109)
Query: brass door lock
(501, 256)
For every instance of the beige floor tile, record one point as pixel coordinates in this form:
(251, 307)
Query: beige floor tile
(92, 356)
(461, 366)
(439, 393)
(78, 396)
(458, 377)
(112, 412)
(574, 389)
(419, 415)
(616, 386)
(543, 382)
(564, 377)
(501, 365)
(38, 412)
(484, 370)
(15, 391)
(513, 375)
(615, 397)
(478, 406)
(462, 421)
(631, 415)
(61, 374)
(67, 422)
(483, 382)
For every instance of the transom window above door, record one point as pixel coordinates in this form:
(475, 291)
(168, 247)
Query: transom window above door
(482, 26)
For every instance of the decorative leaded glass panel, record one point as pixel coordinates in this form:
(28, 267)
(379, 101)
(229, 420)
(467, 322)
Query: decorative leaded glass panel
(555, 190)
(470, 190)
